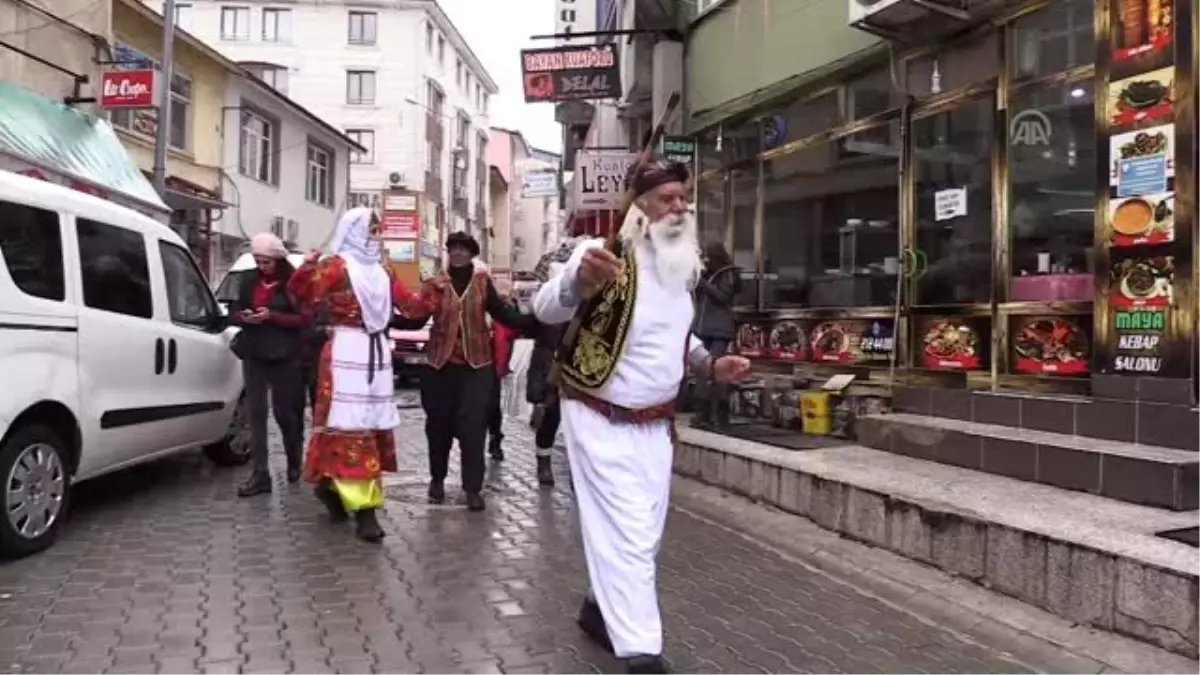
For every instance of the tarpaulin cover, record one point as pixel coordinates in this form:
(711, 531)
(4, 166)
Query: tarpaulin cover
(78, 145)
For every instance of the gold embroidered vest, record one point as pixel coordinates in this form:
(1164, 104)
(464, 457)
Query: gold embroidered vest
(588, 363)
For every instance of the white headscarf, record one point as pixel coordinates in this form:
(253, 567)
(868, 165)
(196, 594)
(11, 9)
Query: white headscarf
(371, 283)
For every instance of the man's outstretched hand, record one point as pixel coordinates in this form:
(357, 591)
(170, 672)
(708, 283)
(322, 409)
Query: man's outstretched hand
(598, 267)
(731, 368)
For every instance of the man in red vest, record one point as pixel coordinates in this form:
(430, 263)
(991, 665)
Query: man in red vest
(455, 394)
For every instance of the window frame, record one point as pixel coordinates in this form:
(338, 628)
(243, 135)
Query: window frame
(282, 19)
(182, 13)
(441, 50)
(330, 174)
(361, 135)
(362, 40)
(236, 11)
(271, 140)
(82, 222)
(181, 89)
(360, 74)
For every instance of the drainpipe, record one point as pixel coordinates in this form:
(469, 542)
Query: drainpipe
(162, 133)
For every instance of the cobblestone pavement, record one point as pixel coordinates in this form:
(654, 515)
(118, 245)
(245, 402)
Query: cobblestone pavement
(164, 569)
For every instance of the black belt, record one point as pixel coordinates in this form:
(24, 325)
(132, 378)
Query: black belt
(374, 346)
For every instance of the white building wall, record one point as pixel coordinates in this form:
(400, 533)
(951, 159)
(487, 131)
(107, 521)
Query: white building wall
(318, 55)
(34, 32)
(535, 220)
(257, 203)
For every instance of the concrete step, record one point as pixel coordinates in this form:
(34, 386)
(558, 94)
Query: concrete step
(1141, 474)
(1093, 560)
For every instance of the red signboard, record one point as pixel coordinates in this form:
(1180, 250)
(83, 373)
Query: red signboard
(127, 89)
(401, 225)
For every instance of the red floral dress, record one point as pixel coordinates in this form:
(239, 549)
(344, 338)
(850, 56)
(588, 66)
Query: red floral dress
(340, 453)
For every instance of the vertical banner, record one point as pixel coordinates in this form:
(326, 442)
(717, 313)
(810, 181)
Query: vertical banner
(1145, 310)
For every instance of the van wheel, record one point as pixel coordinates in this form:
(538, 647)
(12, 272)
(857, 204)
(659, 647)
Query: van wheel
(234, 449)
(35, 492)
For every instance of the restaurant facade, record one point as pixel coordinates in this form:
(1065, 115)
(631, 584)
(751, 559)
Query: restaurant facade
(999, 198)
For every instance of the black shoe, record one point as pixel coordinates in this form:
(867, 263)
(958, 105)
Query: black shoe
(257, 484)
(437, 492)
(545, 473)
(591, 621)
(332, 502)
(475, 502)
(494, 450)
(367, 526)
(293, 474)
(645, 664)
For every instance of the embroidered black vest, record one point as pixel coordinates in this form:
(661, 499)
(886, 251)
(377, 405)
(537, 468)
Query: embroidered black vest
(588, 362)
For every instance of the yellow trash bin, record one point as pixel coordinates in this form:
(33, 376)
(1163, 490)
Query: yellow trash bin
(815, 417)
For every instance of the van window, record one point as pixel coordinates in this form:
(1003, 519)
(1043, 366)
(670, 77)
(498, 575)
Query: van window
(115, 276)
(187, 294)
(31, 245)
(231, 285)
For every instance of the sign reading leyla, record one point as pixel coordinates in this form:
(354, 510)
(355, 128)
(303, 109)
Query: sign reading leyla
(571, 73)
(127, 89)
(600, 178)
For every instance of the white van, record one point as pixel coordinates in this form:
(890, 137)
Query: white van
(114, 351)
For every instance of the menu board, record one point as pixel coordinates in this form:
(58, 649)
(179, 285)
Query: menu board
(853, 341)
(1142, 217)
(750, 340)
(953, 342)
(1051, 345)
(1141, 341)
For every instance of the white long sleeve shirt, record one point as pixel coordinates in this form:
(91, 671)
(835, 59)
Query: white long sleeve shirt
(651, 367)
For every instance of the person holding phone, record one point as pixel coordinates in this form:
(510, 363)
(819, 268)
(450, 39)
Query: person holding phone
(270, 348)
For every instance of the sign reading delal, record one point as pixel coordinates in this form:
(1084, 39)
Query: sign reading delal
(128, 89)
(571, 73)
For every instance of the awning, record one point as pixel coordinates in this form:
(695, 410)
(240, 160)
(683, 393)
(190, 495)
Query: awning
(62, 139)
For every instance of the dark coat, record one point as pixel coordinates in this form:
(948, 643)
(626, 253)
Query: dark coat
(280, 338)
(546, 342)
(715, 293)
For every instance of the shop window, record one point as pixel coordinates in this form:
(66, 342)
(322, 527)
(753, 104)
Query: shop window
(801, 119)
(831, 224)
(964, 65)
(710, 209)
(115, 273)
(1059, 37)
(745, 185)
(1052, 191)
(31, 249)
(952, 162)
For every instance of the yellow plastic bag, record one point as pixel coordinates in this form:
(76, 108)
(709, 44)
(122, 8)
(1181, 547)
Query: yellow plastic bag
(357, 495)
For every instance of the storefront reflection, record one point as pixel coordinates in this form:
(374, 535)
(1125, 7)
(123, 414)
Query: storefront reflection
(952, 157)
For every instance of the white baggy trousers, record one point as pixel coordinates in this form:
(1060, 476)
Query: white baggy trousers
(622, 479)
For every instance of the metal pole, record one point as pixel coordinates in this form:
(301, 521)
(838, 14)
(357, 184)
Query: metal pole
(166, 68)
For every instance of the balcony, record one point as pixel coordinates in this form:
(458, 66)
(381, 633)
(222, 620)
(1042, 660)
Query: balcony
(433, 187)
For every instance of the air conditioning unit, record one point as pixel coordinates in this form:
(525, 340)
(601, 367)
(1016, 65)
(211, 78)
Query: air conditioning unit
(396, 178)
(277, 226)
(919, 21)
(293, 230)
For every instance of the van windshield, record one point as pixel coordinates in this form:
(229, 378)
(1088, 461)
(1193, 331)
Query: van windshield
(228, 290)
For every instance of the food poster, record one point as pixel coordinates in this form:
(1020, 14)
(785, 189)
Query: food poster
(1141, 281)
(1142, 162)
(1142, 221)
(1143, 33)
(1140, 341)
(1142, 98)
(787, 341)
(750, 340)
(1051, 345)
(862, 341)
(953, 343)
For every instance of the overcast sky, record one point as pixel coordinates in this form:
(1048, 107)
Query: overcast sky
(497, 32)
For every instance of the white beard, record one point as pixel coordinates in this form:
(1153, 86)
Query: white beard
(675, 244)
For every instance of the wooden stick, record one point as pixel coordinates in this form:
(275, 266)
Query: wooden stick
(614, 225)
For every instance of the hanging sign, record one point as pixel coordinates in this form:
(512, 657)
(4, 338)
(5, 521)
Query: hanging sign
(542, 183)
(680, 149)
(128, 89)
(571, 73)
(600, 178)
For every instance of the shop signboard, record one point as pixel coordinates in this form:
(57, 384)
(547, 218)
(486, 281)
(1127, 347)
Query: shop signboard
(1140, 341)
(1051, 345)
(401, 251)
(128, 89)
(953, 342)
(599, 179)
(680, 149)
(401, 225)
(540, 183)
(571, 73)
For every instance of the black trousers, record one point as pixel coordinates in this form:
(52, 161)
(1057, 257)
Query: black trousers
(712, 397)
(455, 399)
(283, 380)
(495, 418)
(543, 440)
(308, 392)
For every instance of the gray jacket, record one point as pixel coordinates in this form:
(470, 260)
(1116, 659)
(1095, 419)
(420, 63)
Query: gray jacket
(715, 293)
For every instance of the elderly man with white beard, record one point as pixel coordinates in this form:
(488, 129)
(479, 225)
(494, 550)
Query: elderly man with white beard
(619, 379)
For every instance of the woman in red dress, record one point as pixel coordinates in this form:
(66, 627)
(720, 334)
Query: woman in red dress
(355, 415)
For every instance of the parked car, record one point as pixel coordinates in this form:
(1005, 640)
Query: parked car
(114, 348)
(231, 282)
(409, 359)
